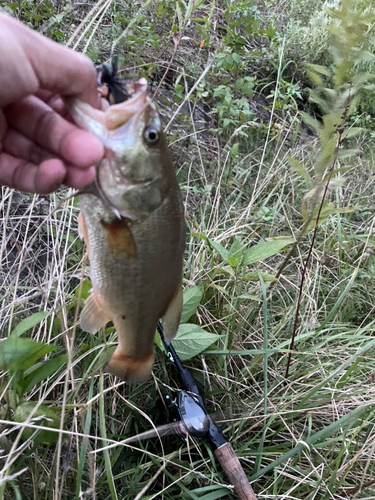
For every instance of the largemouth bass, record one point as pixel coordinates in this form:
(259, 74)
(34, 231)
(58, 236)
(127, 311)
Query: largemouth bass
(134, 229)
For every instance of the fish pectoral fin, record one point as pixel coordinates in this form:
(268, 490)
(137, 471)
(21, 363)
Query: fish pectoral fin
(82, 231)
(93, 317)
(119, 238)
(172, 316)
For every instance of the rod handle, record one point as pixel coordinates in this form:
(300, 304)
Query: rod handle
(234, 472)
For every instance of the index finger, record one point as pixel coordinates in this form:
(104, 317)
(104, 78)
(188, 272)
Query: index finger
(54, 67)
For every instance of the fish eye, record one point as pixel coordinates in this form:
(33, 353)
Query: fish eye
(151, 136)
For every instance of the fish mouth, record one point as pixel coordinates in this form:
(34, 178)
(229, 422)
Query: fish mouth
(118, 115)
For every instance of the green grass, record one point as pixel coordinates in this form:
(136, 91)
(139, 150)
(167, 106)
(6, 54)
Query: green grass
(307, 436)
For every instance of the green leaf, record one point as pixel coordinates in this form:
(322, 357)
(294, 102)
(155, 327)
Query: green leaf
(215, 495)
(104, 357)
(179, 15)
(28, 323)
(314, 71)
(235, 253)
(233, 262)
(315, 78)
(224, 270)
(12, 6)
(264, 250)
(309, 120)
(219, 288)
(320, 101)
(239, 83)
(198, 4)
(347, 153)
(192, 298)
(41, 371)
(323, 70)
(189, 9)
(223, 252)
(20, 354)
(44, 416)
(300, 169)
(250, 297)
(255, 277)
(236, 57)
(84, 289)
(353, 132)
(158, 342)
(234, 149)
(191, 340)
(201, 236)
(338, 210)
(327, 210)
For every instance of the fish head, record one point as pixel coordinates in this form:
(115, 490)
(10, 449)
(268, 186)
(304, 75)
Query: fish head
(136, 172)
(134, 177)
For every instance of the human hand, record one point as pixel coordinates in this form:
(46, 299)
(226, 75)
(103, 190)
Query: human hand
(39, 148)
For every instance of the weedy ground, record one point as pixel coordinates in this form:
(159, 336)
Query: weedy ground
(252, 173)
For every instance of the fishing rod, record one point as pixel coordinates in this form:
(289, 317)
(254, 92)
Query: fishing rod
(195, 421)
(187, 410)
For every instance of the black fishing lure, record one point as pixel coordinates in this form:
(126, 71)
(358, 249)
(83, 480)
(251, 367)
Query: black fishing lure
(117, 87)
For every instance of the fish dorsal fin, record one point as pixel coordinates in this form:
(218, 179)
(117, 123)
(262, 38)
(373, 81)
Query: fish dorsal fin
(93, 316)
(172, 316)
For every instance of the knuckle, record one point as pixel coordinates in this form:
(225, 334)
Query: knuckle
(45, 125)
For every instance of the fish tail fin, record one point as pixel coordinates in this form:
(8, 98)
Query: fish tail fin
(172, 316)
(130, 368)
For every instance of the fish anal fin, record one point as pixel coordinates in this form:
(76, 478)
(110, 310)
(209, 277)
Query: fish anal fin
(171, 317)
(93, 316)
(130, 368)
(82, 231)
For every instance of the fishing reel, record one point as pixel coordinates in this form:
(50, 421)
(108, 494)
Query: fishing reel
(188, 415)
